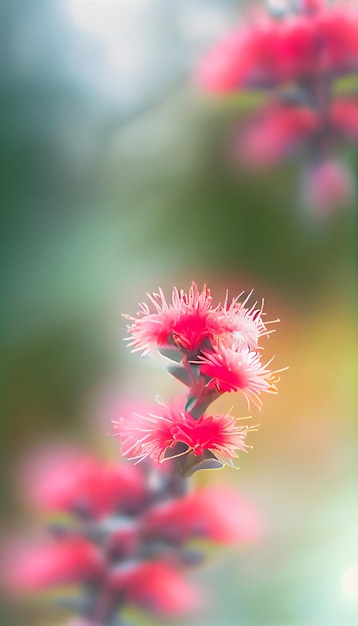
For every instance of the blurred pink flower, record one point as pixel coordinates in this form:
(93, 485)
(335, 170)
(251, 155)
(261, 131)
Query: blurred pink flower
(280, 129)
(154, 435)
(299, 51)
(327, 185)
(274, 133)
(156, 586)
(274, 52)
(344, 117)
(64, 478)
(216, 513)
(32, 566)
(225, 66)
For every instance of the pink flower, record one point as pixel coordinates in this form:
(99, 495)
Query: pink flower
(197, 320)
(338, 28)
(155, 435)
(151, 329)
(190, 321)
(272, 52)
(185, 323)
(251, 56)
(225, 66)
(237, 368)
(280, 129)
(327, 185)
(156, 586)
(301, 53)
(64, 478)
(217, 513)
(276, 132)
(244, 325)
(28, 567)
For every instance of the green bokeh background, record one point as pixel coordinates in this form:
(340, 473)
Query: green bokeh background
(100, 205)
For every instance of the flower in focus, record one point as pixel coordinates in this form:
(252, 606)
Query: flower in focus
(152, 329)
(190, 322)
(216, 350)
(237, 368)
(243, 324)
(185, 323)
(154, 436)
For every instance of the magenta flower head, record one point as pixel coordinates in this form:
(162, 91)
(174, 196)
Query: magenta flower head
(173, 433)
(237, 368)
(190, 321)
(216, 349)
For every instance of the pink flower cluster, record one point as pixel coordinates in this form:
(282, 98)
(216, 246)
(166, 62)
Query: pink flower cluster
(122, 538)
(215, 350)
(300, 43)
(297, 54)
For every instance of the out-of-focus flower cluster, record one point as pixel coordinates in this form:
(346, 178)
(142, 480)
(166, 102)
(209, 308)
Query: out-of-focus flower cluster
(120, 535)
(215, 350)
(296, 52)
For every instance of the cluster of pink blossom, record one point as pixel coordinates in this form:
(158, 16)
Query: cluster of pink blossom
(215, 350)
(125, 531)
(120, 535)
(297, 53)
